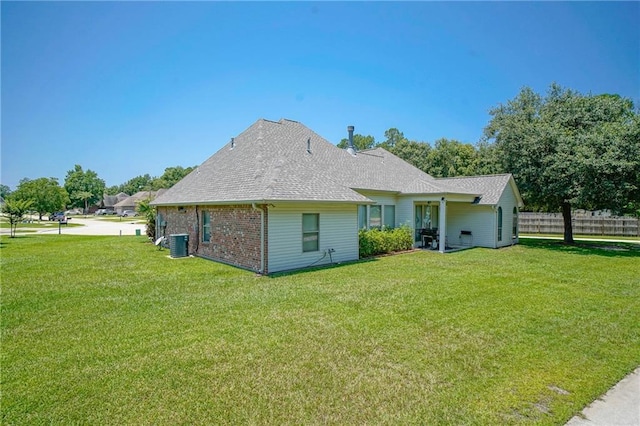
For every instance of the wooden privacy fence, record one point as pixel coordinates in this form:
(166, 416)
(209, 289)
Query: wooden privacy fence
(552, 223)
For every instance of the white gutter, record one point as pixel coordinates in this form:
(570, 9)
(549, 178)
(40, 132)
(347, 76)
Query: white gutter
(253, 205)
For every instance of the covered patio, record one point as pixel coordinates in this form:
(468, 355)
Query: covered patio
(430, 227)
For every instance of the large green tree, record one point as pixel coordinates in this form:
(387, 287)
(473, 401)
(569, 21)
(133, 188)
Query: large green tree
(568, 150)
(78, 182)
(360, 142)
(415, 153)
(45, 194)
(136, 184)
(393, 137)
(451, 158)
(170, 177)
(4, 191)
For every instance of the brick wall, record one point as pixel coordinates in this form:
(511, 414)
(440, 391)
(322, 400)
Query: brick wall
(235, 233)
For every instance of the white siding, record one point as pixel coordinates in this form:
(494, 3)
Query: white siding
(380, 197)
(478, 219)
(405, 212)
(338, 231)
(507, 201)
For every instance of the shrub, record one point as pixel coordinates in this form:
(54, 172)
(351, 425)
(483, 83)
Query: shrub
(380, 241)
(144, 208)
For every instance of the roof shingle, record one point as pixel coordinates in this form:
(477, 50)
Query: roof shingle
(286, 161)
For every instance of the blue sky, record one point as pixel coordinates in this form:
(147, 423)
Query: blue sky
(126, 89)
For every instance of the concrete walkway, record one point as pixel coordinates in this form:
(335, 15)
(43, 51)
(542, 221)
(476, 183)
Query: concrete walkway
(618, 407)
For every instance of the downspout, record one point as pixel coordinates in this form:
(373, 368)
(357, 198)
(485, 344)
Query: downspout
(253, 205)
(494, 225)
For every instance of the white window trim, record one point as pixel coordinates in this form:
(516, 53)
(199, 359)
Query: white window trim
(382, 215)
(311, 232)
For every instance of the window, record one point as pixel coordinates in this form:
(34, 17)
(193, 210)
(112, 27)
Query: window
(515, 223)
(375, 216)
(206, 227)
(362, 217)
(310, 232)
(499, 223)
(161, 226)
(389, 216)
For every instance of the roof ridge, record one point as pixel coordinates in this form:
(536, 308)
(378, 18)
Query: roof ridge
(474, 176)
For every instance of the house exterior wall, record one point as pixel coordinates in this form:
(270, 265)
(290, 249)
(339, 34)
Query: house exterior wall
(507, 201)
(479, 219)
(380, 197)
(235, 233)
(338, 231)
(405, 212)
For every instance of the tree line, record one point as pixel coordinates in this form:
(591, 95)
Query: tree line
(81, 189)
(565, 149)
(445, 158)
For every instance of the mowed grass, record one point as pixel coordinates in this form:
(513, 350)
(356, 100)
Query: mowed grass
(109, 330)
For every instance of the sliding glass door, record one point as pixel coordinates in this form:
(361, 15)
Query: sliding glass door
(426, 217)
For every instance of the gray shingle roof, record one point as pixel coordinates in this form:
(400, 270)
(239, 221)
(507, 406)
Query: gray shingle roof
(139, 196)
(490, 187)
(269, 161)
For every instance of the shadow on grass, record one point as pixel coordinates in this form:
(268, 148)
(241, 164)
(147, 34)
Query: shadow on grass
(589, 248)
(5, 239)
(320, 267)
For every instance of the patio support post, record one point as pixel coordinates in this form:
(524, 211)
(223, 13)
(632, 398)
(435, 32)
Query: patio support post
(442, 225)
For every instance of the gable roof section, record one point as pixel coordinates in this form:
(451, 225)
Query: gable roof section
(270, 161)
(139, 196)
(491, 187)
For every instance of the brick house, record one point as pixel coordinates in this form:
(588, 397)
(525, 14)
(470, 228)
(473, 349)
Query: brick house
(280, 197)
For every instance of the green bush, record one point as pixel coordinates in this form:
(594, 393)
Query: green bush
(380, 241)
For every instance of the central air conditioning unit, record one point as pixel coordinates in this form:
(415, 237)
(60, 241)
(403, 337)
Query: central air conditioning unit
(178, 245)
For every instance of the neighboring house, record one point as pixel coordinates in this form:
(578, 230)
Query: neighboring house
(131, 202)
(280, 197)
(110, 201)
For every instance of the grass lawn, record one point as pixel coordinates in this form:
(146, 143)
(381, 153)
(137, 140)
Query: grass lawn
(109, 330)
(588, 237)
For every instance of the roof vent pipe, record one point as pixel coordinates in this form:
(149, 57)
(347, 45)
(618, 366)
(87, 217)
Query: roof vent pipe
(351, 149)
(233, 143)
(309, 145)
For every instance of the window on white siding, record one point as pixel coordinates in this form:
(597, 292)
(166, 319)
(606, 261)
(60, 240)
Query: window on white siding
(362, 217)
(206, 227)
(310, 232)
(499, 223)
(375, 216)
(515, 223)
(389, 216)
